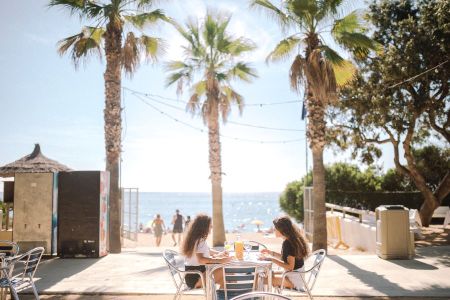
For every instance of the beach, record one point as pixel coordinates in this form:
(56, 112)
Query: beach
(435, 235)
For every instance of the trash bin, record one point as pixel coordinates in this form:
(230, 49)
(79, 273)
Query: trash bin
(394, 239)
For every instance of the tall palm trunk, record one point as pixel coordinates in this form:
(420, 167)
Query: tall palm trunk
(215, 165)
(316, 136)
(113, 128)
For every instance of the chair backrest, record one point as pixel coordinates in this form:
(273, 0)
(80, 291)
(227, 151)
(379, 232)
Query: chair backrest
(257, 295)
(9, 248)
(172, 259)
(29, 263)
(312, 267)
(257, 246)
(239, 278)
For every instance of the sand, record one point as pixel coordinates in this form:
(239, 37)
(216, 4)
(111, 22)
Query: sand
(431, 236)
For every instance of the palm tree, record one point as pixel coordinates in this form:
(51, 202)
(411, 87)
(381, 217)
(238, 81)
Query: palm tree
(320, 69)
(123, 52)
(212, 54)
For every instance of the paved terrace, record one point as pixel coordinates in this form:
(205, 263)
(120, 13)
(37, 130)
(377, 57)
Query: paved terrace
(141, 274)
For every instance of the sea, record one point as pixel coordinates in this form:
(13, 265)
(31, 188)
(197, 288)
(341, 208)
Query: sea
(239, 209)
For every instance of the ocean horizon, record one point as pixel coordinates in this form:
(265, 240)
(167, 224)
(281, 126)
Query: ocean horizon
(239, 209)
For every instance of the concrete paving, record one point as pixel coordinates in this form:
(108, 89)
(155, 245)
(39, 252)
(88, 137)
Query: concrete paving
(141, 274)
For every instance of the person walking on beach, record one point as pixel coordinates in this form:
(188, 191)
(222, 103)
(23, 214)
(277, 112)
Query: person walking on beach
(177, 222)
(293, 252)
(186, 224)
(197, 252)
(158, 228)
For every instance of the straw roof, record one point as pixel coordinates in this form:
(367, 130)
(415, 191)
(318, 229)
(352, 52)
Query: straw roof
(35, 162)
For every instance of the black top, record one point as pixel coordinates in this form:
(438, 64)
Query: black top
(178, 223)
(287, 249)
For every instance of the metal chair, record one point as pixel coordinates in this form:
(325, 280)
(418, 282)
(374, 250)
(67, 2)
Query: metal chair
(308, 274)
(257, 246)
(9, 248)
(239, 278)
(261, 295)
(175, 262)
(18, 272)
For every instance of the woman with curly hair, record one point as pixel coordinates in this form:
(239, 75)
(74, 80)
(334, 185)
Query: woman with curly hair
(197, 252)
(293, 251)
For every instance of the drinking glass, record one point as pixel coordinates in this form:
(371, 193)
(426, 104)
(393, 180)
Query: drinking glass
(228, 246)
(247, 247)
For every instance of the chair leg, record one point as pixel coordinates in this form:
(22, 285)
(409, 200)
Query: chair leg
(13, 294)
(33, 286)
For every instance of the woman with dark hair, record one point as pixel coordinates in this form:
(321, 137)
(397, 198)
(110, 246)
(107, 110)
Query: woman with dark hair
(293, 250)
(158, 228)
(197, 252)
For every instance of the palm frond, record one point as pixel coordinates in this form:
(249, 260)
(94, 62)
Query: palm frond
(243, 71)
(344, 72)
(284, 49)
(331, 55)
(143, 19)
(193, 104)
(83, 44)
(350, 23)
(228, 97)
(321, 78)
(239, 46)
(297, 72)
(130, 54)
(271, 10)
(349, 32)
(328, 7)
(153, 47)
(83, 8)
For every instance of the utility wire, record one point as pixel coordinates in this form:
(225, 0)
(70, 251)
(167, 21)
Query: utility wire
(178, 100)
(202, 130)
(228, 122)
(418, 75)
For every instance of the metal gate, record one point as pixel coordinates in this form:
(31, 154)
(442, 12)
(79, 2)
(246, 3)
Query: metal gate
(130, 213)
(308, 208)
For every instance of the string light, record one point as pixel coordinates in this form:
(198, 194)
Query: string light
(228, 122)
(178, 100)
(202, 130)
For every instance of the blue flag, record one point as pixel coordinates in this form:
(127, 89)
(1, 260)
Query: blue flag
(303, 110)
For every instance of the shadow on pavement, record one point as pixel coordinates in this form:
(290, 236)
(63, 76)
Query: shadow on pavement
(413, 264)
(372, 279)
(59, 266)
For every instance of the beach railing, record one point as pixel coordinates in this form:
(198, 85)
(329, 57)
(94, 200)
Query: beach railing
(351, 227)
(361, 214)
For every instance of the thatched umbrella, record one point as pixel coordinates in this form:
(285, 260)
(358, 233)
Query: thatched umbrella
(35, 162)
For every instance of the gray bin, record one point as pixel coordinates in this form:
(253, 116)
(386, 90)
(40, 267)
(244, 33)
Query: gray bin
(394, 239)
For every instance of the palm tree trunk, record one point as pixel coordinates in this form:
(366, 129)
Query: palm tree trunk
(215, 165)
(316, 136)
(113, 129)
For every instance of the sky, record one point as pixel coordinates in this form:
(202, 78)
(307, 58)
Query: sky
(45, 100)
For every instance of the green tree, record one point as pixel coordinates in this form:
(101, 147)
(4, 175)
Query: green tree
(213, 55)
(339, 177)
(123, 53)
(389, 103)
(433, 163)
(319, 70)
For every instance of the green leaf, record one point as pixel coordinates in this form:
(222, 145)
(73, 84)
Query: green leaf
(331, 55)
(284, 49)
(143, 19)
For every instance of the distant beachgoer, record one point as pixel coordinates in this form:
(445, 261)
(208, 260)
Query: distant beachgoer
(141, 227)
(197, 252)
(177, 222)
(158, 228)
(293, 251)
(188, 220)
